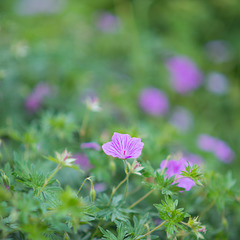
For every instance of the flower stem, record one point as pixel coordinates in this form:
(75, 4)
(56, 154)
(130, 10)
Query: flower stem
(82, 185)
(50, 177)
(120, 184)
(115, 189)
(127, 176)
(142, 198)
(156, 228)
(208, 208)
(84, 123)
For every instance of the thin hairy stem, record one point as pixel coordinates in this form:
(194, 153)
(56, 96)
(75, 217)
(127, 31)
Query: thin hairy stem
(142, 198)
(88, 178)
(84, 123)
(127, 176)
(115, 189)
(156, 228)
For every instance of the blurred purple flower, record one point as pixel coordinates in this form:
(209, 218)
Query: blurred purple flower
(194, 158)
(182, 119)
(34, 100)
(92, 145)
(32, 7)
(174, 167)
(153, 101)
(216, 146)
(218, 51)
(206, 142)
(223, 152)
(123, 146)
(107, 22)
(217, 83)
(184, 74)
(83, 161)
(100, 187)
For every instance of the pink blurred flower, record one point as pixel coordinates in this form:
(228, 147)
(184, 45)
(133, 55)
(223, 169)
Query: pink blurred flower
(107, 22)
(123, 146)
(194, 158)
(92, 145)
(83, 161)
(34, 101)
(206, 142)
(174, 167)
(100, 187)
(153, 101)
(184, 74)
(216, 146)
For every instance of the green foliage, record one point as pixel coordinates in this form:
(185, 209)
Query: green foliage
(66, 48)
(168, 212)
(114, 211)
(194, 172)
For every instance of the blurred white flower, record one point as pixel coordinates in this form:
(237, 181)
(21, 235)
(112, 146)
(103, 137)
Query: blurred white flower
(217, 83)
(93, 104)
(182, 119)
(33, 7)
(20, 49)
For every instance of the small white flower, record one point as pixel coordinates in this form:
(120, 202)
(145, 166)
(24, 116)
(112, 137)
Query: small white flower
(65, 158)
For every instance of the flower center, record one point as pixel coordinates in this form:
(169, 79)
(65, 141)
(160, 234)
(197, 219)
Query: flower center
(124, 153)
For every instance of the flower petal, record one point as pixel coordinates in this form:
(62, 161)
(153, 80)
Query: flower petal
(121, 141)
(135, 147)
(110, 149)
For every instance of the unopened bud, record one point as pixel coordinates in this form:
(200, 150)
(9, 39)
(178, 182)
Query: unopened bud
(6, 181)
(224, 222)
(93, 194)
(66, 236)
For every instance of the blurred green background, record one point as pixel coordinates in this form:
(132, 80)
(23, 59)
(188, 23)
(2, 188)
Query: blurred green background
(114, 49)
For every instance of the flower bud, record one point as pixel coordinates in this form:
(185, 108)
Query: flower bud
(93, 194)
(66, 236)
(224, 222)
(6, 181)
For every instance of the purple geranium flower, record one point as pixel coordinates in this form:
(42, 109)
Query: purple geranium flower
(153, 101)
(185, 75)
(216, 146)
(174, 167)
(92, 145)
(123, 146)
(83, 161)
